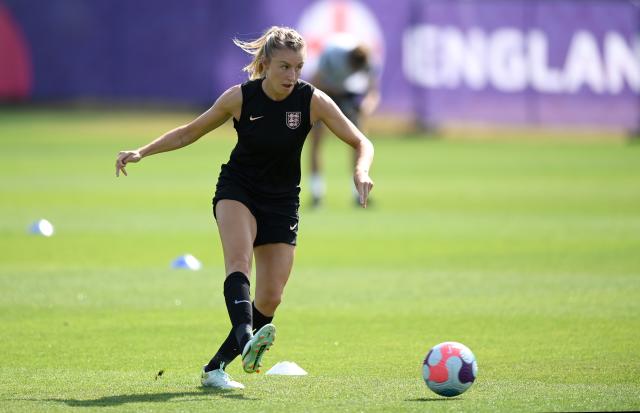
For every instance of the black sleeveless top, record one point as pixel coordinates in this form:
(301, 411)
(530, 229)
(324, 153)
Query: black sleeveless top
(266, 159)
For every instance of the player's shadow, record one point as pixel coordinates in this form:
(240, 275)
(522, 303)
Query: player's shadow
(153, 398)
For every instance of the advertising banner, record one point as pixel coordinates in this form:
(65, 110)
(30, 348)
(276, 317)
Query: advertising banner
(529, 62)
(535, 62)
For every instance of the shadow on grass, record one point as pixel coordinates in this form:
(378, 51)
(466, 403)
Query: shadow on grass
(433, 399)
(153, 398)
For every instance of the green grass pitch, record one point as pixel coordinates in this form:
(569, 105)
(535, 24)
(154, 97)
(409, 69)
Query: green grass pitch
(527, 251)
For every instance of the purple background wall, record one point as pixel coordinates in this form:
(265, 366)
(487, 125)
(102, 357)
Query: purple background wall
(560, 21)
(181, 51)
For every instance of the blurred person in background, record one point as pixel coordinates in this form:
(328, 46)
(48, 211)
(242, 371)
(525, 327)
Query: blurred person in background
(257, 195)
(345, 72)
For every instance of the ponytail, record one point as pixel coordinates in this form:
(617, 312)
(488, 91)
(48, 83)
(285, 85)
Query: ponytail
(262, 48)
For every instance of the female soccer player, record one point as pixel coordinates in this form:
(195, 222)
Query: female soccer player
(257, 194)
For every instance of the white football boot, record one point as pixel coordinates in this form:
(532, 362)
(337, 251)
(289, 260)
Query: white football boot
(256, 347)
(219, 379)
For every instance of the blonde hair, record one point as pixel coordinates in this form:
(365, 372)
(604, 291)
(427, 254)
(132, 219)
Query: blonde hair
(262, 48)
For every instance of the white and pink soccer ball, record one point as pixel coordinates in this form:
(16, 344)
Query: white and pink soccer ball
(449, 369)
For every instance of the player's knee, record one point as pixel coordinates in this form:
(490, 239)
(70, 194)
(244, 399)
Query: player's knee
(269, 302)
(239, 265)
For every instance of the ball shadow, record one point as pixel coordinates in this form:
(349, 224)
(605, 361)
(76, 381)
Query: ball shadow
(434, 399)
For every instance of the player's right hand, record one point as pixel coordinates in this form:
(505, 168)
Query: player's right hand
(125, 157)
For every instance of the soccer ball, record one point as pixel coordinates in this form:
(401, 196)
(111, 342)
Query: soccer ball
(449, 369)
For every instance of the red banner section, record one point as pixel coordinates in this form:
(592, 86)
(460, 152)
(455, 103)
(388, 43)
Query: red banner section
(15, 63)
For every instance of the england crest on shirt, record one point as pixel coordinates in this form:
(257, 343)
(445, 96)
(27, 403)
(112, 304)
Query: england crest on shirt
(293, 119)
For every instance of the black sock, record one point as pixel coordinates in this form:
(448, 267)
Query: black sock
(227, 352)
(236, 290)
(259, 319)
(236, 295)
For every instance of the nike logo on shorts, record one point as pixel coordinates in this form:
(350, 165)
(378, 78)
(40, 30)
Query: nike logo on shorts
(251, 118)
(292, 227)
(241, 301)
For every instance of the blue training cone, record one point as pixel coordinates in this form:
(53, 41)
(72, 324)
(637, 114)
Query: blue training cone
(186, 262)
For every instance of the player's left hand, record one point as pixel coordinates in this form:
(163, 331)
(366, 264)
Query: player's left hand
(364, 184)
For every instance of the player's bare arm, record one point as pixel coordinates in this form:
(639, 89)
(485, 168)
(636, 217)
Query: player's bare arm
(371, 100)
(228, 104)
(325, 110)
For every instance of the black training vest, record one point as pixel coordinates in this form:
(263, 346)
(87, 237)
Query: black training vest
(266, 159)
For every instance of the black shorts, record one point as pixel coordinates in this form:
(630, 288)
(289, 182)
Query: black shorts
(276, 219)
(349, 105)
